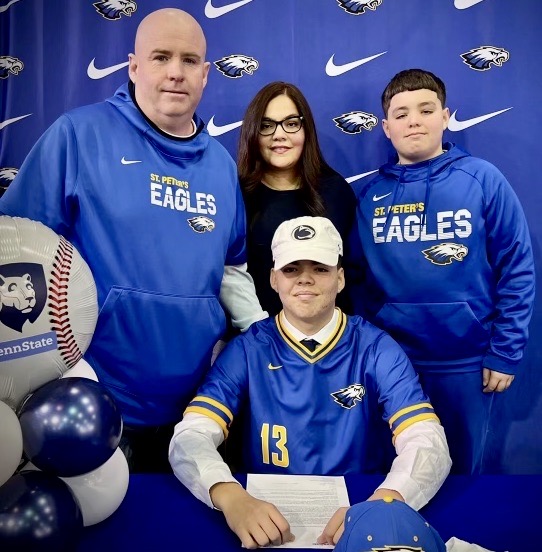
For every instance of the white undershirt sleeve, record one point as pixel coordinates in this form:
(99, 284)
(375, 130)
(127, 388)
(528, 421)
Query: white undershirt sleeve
(422, 464)
(194, 457)
(238, 296)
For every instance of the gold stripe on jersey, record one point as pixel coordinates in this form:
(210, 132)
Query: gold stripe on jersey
(407, 423)
(209, 414)
(323, 349)
(215, 403)
(404, 411)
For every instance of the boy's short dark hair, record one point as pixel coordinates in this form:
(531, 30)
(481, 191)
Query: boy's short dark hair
(413, 79)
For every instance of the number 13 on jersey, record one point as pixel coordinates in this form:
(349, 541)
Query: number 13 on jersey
(278, 435)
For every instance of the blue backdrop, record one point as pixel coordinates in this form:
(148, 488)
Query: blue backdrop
(59, 54)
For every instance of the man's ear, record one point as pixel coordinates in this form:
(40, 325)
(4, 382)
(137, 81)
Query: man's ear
(341, 282)
(385, 127)
(132, 67)
(445, 117)
(273, 280)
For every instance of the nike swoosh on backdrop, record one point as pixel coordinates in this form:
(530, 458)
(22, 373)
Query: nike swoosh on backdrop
(378, 198)
(215, 130)
(7, 122)
(333, 70)
(211, 12)
(96, 74)
(271, 367)
(455, 126)
(6, 7)
(359, 176)
(465, 4)
(129, 161)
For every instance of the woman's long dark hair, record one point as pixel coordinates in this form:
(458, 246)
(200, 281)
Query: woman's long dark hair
(311, 164)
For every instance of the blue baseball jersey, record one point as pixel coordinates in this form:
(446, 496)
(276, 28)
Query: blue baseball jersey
(312, 412)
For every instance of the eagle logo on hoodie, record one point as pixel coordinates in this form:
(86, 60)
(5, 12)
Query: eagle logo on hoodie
(445, 253)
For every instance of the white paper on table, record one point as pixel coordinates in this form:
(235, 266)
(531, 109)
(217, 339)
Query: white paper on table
(306, 501)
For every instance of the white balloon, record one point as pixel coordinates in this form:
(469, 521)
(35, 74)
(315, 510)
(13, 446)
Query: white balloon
(101, 491)
(11, 442)
(81, 370)
(48, 307)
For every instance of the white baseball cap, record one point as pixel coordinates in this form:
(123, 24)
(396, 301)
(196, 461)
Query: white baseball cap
(306, 238)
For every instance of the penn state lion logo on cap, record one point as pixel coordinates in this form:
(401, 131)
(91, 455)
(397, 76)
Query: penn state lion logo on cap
(303, 232)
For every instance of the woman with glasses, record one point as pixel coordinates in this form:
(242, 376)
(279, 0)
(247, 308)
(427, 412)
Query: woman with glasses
(284, 175)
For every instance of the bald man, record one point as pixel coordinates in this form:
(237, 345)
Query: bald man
(153, 205)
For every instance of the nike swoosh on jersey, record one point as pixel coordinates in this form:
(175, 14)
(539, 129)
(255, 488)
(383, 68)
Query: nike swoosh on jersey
(333, 70)
(215, 130)
(211, 12)
(455, 126)
(378, 198)
(7, 122)
(271, 367)
(125, 161)
(6, 7)
(94, 73)
(359, 176)
(465, 4)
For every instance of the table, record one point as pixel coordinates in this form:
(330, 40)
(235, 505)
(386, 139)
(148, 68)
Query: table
(498, 512)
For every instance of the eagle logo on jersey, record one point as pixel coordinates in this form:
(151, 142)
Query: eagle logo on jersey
(358, 7)
(235, 65)
(23, 293)
(347, 396)
(303, 232)
(445, 253)
(201, 224)
(7, 174)
(398, 548)
(10, 65)
(356, 121)
(481, 59)
(113, 9)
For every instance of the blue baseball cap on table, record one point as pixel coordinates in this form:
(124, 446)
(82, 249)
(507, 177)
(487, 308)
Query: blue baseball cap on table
(379, 524)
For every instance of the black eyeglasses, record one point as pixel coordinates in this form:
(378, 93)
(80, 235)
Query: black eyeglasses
(291, 125)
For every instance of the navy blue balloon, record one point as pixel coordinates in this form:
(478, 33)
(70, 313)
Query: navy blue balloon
(38, 512)
(70, 426)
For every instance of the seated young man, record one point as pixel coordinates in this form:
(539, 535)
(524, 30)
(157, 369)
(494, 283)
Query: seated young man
(308, 408)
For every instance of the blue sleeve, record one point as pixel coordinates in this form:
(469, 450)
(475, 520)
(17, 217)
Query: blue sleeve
(225, 386)
(511, 257)
(237, 253)
(43, 189)
(399, 391)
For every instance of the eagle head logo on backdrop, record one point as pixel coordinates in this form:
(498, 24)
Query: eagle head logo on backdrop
(113, 9)
(10, 66)
(481, 59)
(235, 65)
(7, 175)
(356, 121)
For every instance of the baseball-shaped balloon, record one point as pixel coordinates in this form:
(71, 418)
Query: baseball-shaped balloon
(70, 426)
(48, 307)
(11, 442)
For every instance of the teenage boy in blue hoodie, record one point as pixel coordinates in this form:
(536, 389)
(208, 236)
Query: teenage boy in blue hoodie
(447, 264)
